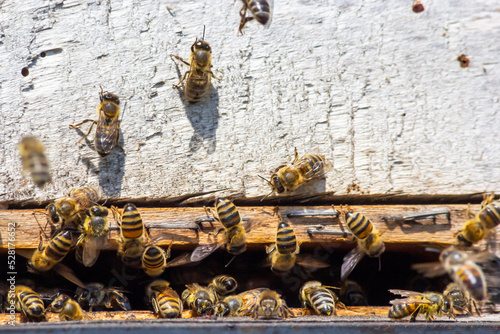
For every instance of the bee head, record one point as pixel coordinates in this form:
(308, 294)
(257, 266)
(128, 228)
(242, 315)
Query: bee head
(268, 306)
(221, 309)
(276, 184)
(203, 305)
(58, 303)
(201, 52)
(53, 216)
(463, 241)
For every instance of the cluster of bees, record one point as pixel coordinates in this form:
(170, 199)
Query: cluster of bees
(78, 223)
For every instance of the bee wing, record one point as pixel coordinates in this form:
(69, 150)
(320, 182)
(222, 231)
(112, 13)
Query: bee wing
(180, 260)
(412, 299)
(91, 249)
(69, 274)
(405, 293)
(106, 133)
(309, 262)
(317, 170)
(202, 251)
(429, 269)
(350, 261)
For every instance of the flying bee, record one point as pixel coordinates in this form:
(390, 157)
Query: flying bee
(95, 231)
(462, 269)
(198, 82)
(261, 11)
(34, 160)
(290, 177)
(284, 254)
(351, 294)
(108, 125)
(234, 231)
(318, 297)
(29, 304)
(368, 240)
(165, 300)
(270, 305)
(132, 235)
(431, 304)
(67, 308)
(95, 294)
(474, 230)
(223, 284)
(154, 260)
(199, 299)
(460, 299)
(69, 212)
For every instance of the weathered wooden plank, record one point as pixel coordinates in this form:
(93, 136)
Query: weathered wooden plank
(179, 225)
(372, 85)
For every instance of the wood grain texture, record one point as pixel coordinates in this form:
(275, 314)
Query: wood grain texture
(179, 226)
(372, 85)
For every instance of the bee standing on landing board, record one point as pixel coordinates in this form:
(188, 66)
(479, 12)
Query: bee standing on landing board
(261, 11)
(198, 82)
(108, 125)
(431, 304)
(94, 234)
(290, 177)
(165, 300)
(318, 297)
(29, 304)
(368, 240)
(67, 308)
(460, 299)
(474, 230)
(199, 299)
(34, 160)
(270, 305)
(95, 294)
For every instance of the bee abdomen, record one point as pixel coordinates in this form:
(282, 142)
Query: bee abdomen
(105, 140)
(322, 301)
(197, 86)
(229, 215)
(260, 10)
(153, 258)
(359, 225)
(59, 246)
(399, 311)
(472, 279)
(309, 161)
(32, 302)
(490, 216)
(170, 305)
(286, 241)
(132, 225)
(85, 196)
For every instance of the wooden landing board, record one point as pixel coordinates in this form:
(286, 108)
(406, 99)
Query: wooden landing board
(179, 225)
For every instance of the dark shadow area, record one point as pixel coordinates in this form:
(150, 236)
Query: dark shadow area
(111, 170)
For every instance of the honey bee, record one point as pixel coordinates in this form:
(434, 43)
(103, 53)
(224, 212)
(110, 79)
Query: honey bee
(229, 306)
(198, 82)
(270, 305)
(46, 257)
(368, 240)
(318, 297)
(234, 232)
(352, 294)
(29, 304)
(199, 299)
(133, 235)
(69, 212)
(223, 284)
(67, 308)
(460, 299)
(154, 260)
(474, 230)
(95, 294)
(290, 177)
(261, 11)
(462, 269)
(108, 125)
(165, 300)
(34, 160)
(431, 304)
(95, 231)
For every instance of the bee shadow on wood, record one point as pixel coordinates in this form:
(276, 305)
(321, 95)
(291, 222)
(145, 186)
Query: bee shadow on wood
(204, 118)
(111, 170)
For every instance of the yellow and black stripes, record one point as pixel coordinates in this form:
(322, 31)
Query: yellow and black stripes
(59, 246)
(224, 284)
(169, 304)
(28, 302)
(472, 278)
(227, 213)
(309, 162)
(322, 301)
(154, 261)
(490, 215)
(260, 9)
(359, 225)
(132, 226)
(399, 311)
(286, 241)
(85, 196)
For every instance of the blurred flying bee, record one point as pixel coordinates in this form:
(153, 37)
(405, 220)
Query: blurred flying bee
(431, 304)
(69, 212)
(34, 160)
(290, 177)
(474, 230)
(261, 11)
(108, 125)
(284, 254)
(154, 260)
(29, 304)
(95, 294)
(462, 269)
(198, 82)
(67, 308)
(351, 294)
(460, 299)
(199, 299)
(223, 284)
(132, 235)
(368, 240)
(234, 232)
(165, 300)
(318, 297)
(270, 305)
(95, 231)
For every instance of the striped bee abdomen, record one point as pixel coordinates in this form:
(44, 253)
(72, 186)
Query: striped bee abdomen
(260, 10)
(490, 215)
(59, 246)
(286, 241)
(358, 224)
(227, 212)
(132, 226)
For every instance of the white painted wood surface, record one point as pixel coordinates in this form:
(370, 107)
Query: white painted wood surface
(372, 85)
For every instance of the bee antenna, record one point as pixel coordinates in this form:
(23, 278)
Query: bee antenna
(41, 229)
(263, 178)
(203, 38)
(230, 261)
(267, 196)
(102, 90)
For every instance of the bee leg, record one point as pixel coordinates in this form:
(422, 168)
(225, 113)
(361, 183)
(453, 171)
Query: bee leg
(475, 307)
(415, 313)
(169, 249)
(118, 141)
(244, 19)
(183, 78)
(180, 59)
(74, 126)
(296, 157)
(213, 75)
(116, 215)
